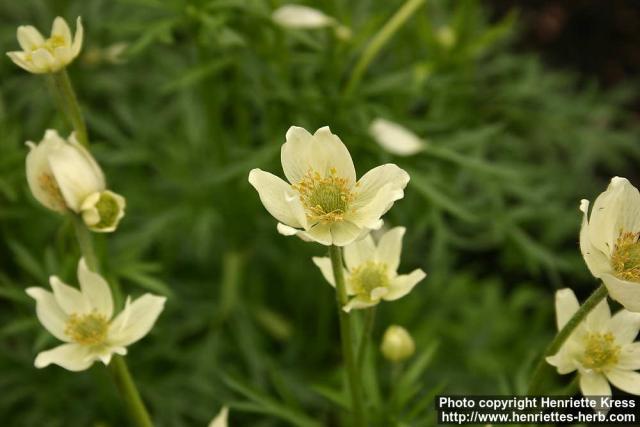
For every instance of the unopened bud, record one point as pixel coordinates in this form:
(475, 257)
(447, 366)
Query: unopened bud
(397, 344)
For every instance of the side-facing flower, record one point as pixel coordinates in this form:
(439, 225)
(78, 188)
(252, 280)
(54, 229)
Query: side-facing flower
(322, 201)
(63, 175)
(397, 344)
(395, 138)
(221, 420)
(301, 17)
(609, 241)
(371, 274)
(601, 348)
(40, 55)
(83, 319)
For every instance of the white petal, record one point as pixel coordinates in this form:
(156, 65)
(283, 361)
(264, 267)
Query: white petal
(298, 16)
(394, 138)
(596, 260)
(95, 289)
(60, 28)
(624, 325)
(592, 384)
(77, 40)
(20, 60)
(625, 380)
(359, 252)
(566, 306)
(39, 171)
(320, 233)
(390, 247)
(403, 284)
(626, 293)
(49, 313)
(73, 357)
(344, 233)
(29, 38)
(357, 304)
(43, 61)
(598, 319)
(324, 264)
(373, 181)
(221, 419)
(136, 320)
(563, 363)
(278, 198)
(321, 152)
(629, 357)
(69, 298)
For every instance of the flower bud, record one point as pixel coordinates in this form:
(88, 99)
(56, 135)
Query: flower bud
(40, 55)
(301, 17)
(397, 344)
(395, 138)
(102, 212)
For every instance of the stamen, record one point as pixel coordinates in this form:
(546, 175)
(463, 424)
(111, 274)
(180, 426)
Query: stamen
(87, 329)
(625, 259)
(601, 351)
(325, 199)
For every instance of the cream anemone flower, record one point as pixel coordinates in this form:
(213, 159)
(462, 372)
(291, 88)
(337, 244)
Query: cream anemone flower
(609, 241)
(371, 274)
(221, 420)
(397, 344)
(62, 175)
(83, 319)
(302, 17)
(322, 201)
(395, 138)
(601, 348)
(40, 55)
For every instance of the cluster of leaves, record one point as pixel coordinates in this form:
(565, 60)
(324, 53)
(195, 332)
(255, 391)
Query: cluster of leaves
(205, 92)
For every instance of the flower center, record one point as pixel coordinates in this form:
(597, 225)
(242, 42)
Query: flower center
(87, 329)
(325, 199)
(625, 259)
(54, 42)
(108, 210)
(369, 276)
(601, 351)
(49, 185)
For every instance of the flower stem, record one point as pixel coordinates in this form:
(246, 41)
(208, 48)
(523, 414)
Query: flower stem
(69, 104)
(369, 320)
(85, 241)
(539, 373)
(127, 387)
(353, 373)
(379, 40)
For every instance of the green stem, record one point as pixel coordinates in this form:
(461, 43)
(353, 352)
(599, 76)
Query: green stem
(69, 104)
(85, 241)
(353, 373)
(369, 320)
(379, 40)
(127, 387)
(555, 345)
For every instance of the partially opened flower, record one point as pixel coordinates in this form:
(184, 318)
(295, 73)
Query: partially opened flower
(371, 274)
(40, 55)
(609, 241)
(221, 419)
(322, 201)
(62, 175)
(83, 319)
(395, 138)
(601, 348)
(397, 344)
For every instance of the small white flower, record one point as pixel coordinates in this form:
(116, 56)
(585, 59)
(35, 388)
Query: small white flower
(371, 274)
(397, 344)
(83, 319)
(394, 138)
(63, 175)
(609, 241)
(322, 201)
(40, 55)
(301, 17)
(221, 419)
(601, 348)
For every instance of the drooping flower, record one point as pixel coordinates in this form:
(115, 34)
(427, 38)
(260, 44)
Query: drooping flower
(322, 201)
(609, 241)
(601, 348)
(62, 175)
(397, 344)
(371, 274)
(221, 420)
(83, 319)
(40, 55)
(395, 138)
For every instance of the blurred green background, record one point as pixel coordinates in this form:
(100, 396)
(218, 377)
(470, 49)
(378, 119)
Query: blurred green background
(205, 91)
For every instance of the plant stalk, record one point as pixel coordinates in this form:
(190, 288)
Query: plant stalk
(69, 105)
(129, 392)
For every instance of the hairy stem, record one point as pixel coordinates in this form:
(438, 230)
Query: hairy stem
(69, 104)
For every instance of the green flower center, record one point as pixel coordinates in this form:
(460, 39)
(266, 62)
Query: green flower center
(325, 199)
(108, 209)
(600, 351)
(625, 259)
(369, 276)
(87, 329)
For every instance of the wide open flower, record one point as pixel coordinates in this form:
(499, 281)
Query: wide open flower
(63, 175)
(40, 55)
(322, 201)
(609, 241)
(371, 273)
(83, 319)
(601, 348)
